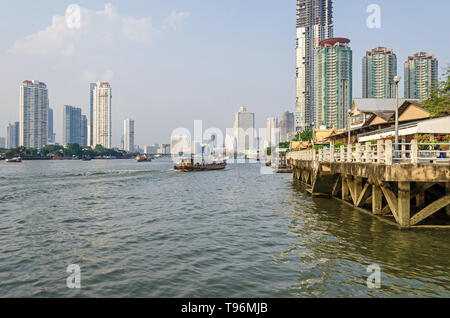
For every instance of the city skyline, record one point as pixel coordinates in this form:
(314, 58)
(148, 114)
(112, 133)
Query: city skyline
(279, 97)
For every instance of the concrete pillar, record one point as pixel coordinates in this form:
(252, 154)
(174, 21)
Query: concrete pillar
(388, 153)
(377, 200)
(420, 200)
(403, 141)
(332, 151)
(368, 154)
(404, 208)
(414, 152)
(379, 151)
(349, 153)
(358, 152)
(342, 153)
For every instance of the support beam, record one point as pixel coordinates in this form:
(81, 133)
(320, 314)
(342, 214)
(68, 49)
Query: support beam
(351, 187)
(336, 187)
(391, 200)
(377, 200)
(345, 192)
(365, 193)
(430, 209)
(404, 204)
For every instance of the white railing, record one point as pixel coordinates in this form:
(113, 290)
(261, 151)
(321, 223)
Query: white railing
(379, 153)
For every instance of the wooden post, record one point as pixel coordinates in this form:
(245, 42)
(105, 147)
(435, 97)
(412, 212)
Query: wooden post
(377, 200)
(414, 152)
(404, 208)
(379, 151)
(388, 153)
(342, 153)
(358, 152)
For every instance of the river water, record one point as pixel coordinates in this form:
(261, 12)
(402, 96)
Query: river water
(144, 230)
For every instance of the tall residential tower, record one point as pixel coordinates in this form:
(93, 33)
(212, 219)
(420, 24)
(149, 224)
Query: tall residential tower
(421, 75)
(333, 83)
(128, 133)
(314, 24)
(33, 114)
(72, 125)
(101, 112)
(379, 67)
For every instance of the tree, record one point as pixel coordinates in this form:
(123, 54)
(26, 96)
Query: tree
(72, 150)
(306, 135)
(438, 104)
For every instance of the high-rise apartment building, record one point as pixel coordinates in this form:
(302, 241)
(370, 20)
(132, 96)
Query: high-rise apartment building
(72, 125)
(51, 134)
(379, 67)
(128, 133)
(2, 142)
(244, 130)
(273, 134)
(84, 131)
(286, 126)
(13, 135)
(91, 115)
(421, 75)
(33, 114)
(314, 24)
(101, 112)
(333, 83)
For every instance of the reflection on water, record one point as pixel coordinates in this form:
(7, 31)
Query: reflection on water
(144, 230)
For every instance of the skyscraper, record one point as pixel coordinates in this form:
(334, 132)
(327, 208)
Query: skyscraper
(421, 75)
(128, 133)
(244, 126)
(379, 67)
(51, 134)
(101, 126)
(273, 135)
(286, 126)
(2, 142)
(333, 83)
(91, 114)
(84, 131)
(314, 23)
(13, 135)
(71, 125)
(33, 114)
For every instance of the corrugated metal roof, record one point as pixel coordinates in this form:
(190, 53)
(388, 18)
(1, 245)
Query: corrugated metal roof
(379, 105)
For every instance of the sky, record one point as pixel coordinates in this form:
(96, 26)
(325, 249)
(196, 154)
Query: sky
(171, 62)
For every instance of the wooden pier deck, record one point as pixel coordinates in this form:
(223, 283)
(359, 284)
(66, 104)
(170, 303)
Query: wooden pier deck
(409, 187)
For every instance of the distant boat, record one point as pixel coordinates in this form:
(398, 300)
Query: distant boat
(15, 159)
(187, 165)
(144, 158)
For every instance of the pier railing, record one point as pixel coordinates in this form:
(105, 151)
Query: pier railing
(383, 152)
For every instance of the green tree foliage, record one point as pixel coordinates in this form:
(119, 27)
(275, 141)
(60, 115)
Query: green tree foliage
(438, 104)
(306, 135)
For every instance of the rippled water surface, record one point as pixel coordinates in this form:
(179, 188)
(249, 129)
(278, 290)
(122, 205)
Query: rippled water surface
(144, 230)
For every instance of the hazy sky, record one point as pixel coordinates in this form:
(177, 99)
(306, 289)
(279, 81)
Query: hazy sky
(170, 62)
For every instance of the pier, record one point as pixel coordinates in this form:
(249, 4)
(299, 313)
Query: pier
(408, 186)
